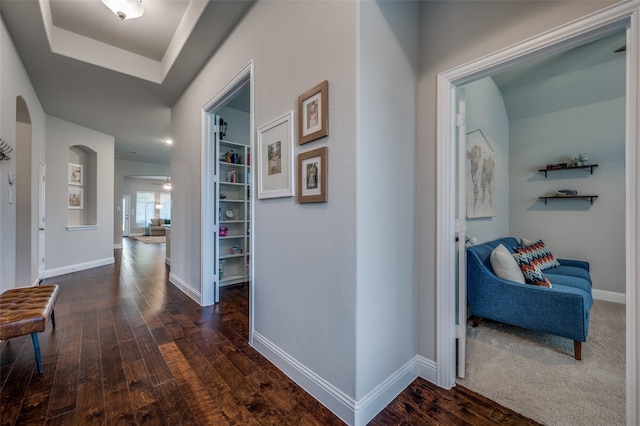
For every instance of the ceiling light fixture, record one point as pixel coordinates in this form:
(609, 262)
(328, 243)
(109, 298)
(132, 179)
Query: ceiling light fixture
(167, 184)
(125, 9)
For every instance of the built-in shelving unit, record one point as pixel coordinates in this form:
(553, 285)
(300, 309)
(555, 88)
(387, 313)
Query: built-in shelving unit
(233, 212)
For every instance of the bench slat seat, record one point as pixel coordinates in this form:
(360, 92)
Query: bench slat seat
(25, 310)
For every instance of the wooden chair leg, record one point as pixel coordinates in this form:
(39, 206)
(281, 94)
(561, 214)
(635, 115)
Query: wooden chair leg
(577, 350)
(476, 321)
(36, 349)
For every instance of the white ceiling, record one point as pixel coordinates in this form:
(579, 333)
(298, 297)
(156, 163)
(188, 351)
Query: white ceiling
(118, 77)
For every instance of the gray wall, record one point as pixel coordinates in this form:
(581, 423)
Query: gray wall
(14, 82)
(485, 111)
(66, 250)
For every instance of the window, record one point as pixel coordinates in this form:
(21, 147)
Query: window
(145, 207)
(165, 202)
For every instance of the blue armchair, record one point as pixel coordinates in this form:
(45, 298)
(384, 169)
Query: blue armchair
(562, 310)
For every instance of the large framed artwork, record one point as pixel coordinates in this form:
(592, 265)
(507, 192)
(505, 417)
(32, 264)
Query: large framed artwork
(480, 176)
(275, 158)
(313, 113)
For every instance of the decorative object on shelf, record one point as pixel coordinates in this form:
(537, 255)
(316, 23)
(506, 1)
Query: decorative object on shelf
(75, 174)
(567, 192)
(75, 198)
(557, 166)
(222, 230)
(313, 113)
(5, 150)
(275, 158)
(480, 176)
(312, 176)
(235, 250)
(229, 214)
(222, 196)
(580, 160)
(232, 176)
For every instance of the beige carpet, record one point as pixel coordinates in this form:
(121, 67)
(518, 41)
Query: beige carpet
(152, 240)
(536, 375)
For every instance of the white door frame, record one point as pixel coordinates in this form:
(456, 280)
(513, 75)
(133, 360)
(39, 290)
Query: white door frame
(594, 26)
(126, 215)
(42, 182)
(209, 274)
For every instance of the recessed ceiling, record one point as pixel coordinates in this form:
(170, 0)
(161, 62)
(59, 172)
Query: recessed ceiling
(118, 77)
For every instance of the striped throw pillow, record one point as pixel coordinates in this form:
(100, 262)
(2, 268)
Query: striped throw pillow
(538, 254)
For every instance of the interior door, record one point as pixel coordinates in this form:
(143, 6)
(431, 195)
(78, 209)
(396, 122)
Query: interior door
(461, 235)
(126, 208)
(41, 218)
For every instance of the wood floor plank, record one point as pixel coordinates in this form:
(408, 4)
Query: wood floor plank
(90, 406)
(130, 348)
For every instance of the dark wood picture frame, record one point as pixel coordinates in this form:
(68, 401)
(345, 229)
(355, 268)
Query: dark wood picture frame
(313, 176)
(313, 113)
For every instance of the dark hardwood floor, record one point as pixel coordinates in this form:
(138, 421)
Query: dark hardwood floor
(129, 348)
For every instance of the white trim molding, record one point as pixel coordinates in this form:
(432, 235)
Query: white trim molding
(185, 287)
(609, 296)
(620, 16)
(48, 273)
(351, 411)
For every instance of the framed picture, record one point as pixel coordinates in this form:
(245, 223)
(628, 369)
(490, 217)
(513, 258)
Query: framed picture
(313, 113)
(312, 176)
(480, 176)
(275, 158)
(75, 174)
(75, 198)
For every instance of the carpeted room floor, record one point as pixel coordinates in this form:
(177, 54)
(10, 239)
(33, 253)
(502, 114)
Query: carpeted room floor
(536, 375)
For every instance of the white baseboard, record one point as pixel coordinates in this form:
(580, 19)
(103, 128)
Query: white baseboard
(350, 411)
(609, 296)
(77, 267)
(185, 288)
(426, 369)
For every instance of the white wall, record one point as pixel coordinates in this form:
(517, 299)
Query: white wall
(573, 229)
(485, 110)
(385, 188)
(14, 82)
(66, 250)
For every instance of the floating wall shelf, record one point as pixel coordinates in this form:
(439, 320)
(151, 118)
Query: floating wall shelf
(589, 167)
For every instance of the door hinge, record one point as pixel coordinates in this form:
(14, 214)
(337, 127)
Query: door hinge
(459, 120)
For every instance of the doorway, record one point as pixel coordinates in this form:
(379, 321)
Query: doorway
(235, 100)
(621, 18)
(126, 208)
(25, 244)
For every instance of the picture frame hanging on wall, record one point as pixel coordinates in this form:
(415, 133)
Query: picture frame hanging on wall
(313, 113)
(275, 158)
(75, 198)
(75, 175)
(312, 176)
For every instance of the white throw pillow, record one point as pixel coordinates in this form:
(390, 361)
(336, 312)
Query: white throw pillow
(505, 266)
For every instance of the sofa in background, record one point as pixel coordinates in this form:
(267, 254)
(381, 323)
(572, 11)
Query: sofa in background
(562, 309)
(156, 227)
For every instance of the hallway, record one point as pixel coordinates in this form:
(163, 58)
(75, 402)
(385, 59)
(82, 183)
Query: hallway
(129, 348)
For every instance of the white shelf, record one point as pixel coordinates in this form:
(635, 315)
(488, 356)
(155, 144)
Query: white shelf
(230, 237)
(231, 255)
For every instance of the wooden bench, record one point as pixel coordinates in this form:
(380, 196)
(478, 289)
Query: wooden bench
(25, 310)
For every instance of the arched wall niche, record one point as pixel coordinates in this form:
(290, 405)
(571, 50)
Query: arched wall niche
(82, 191)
